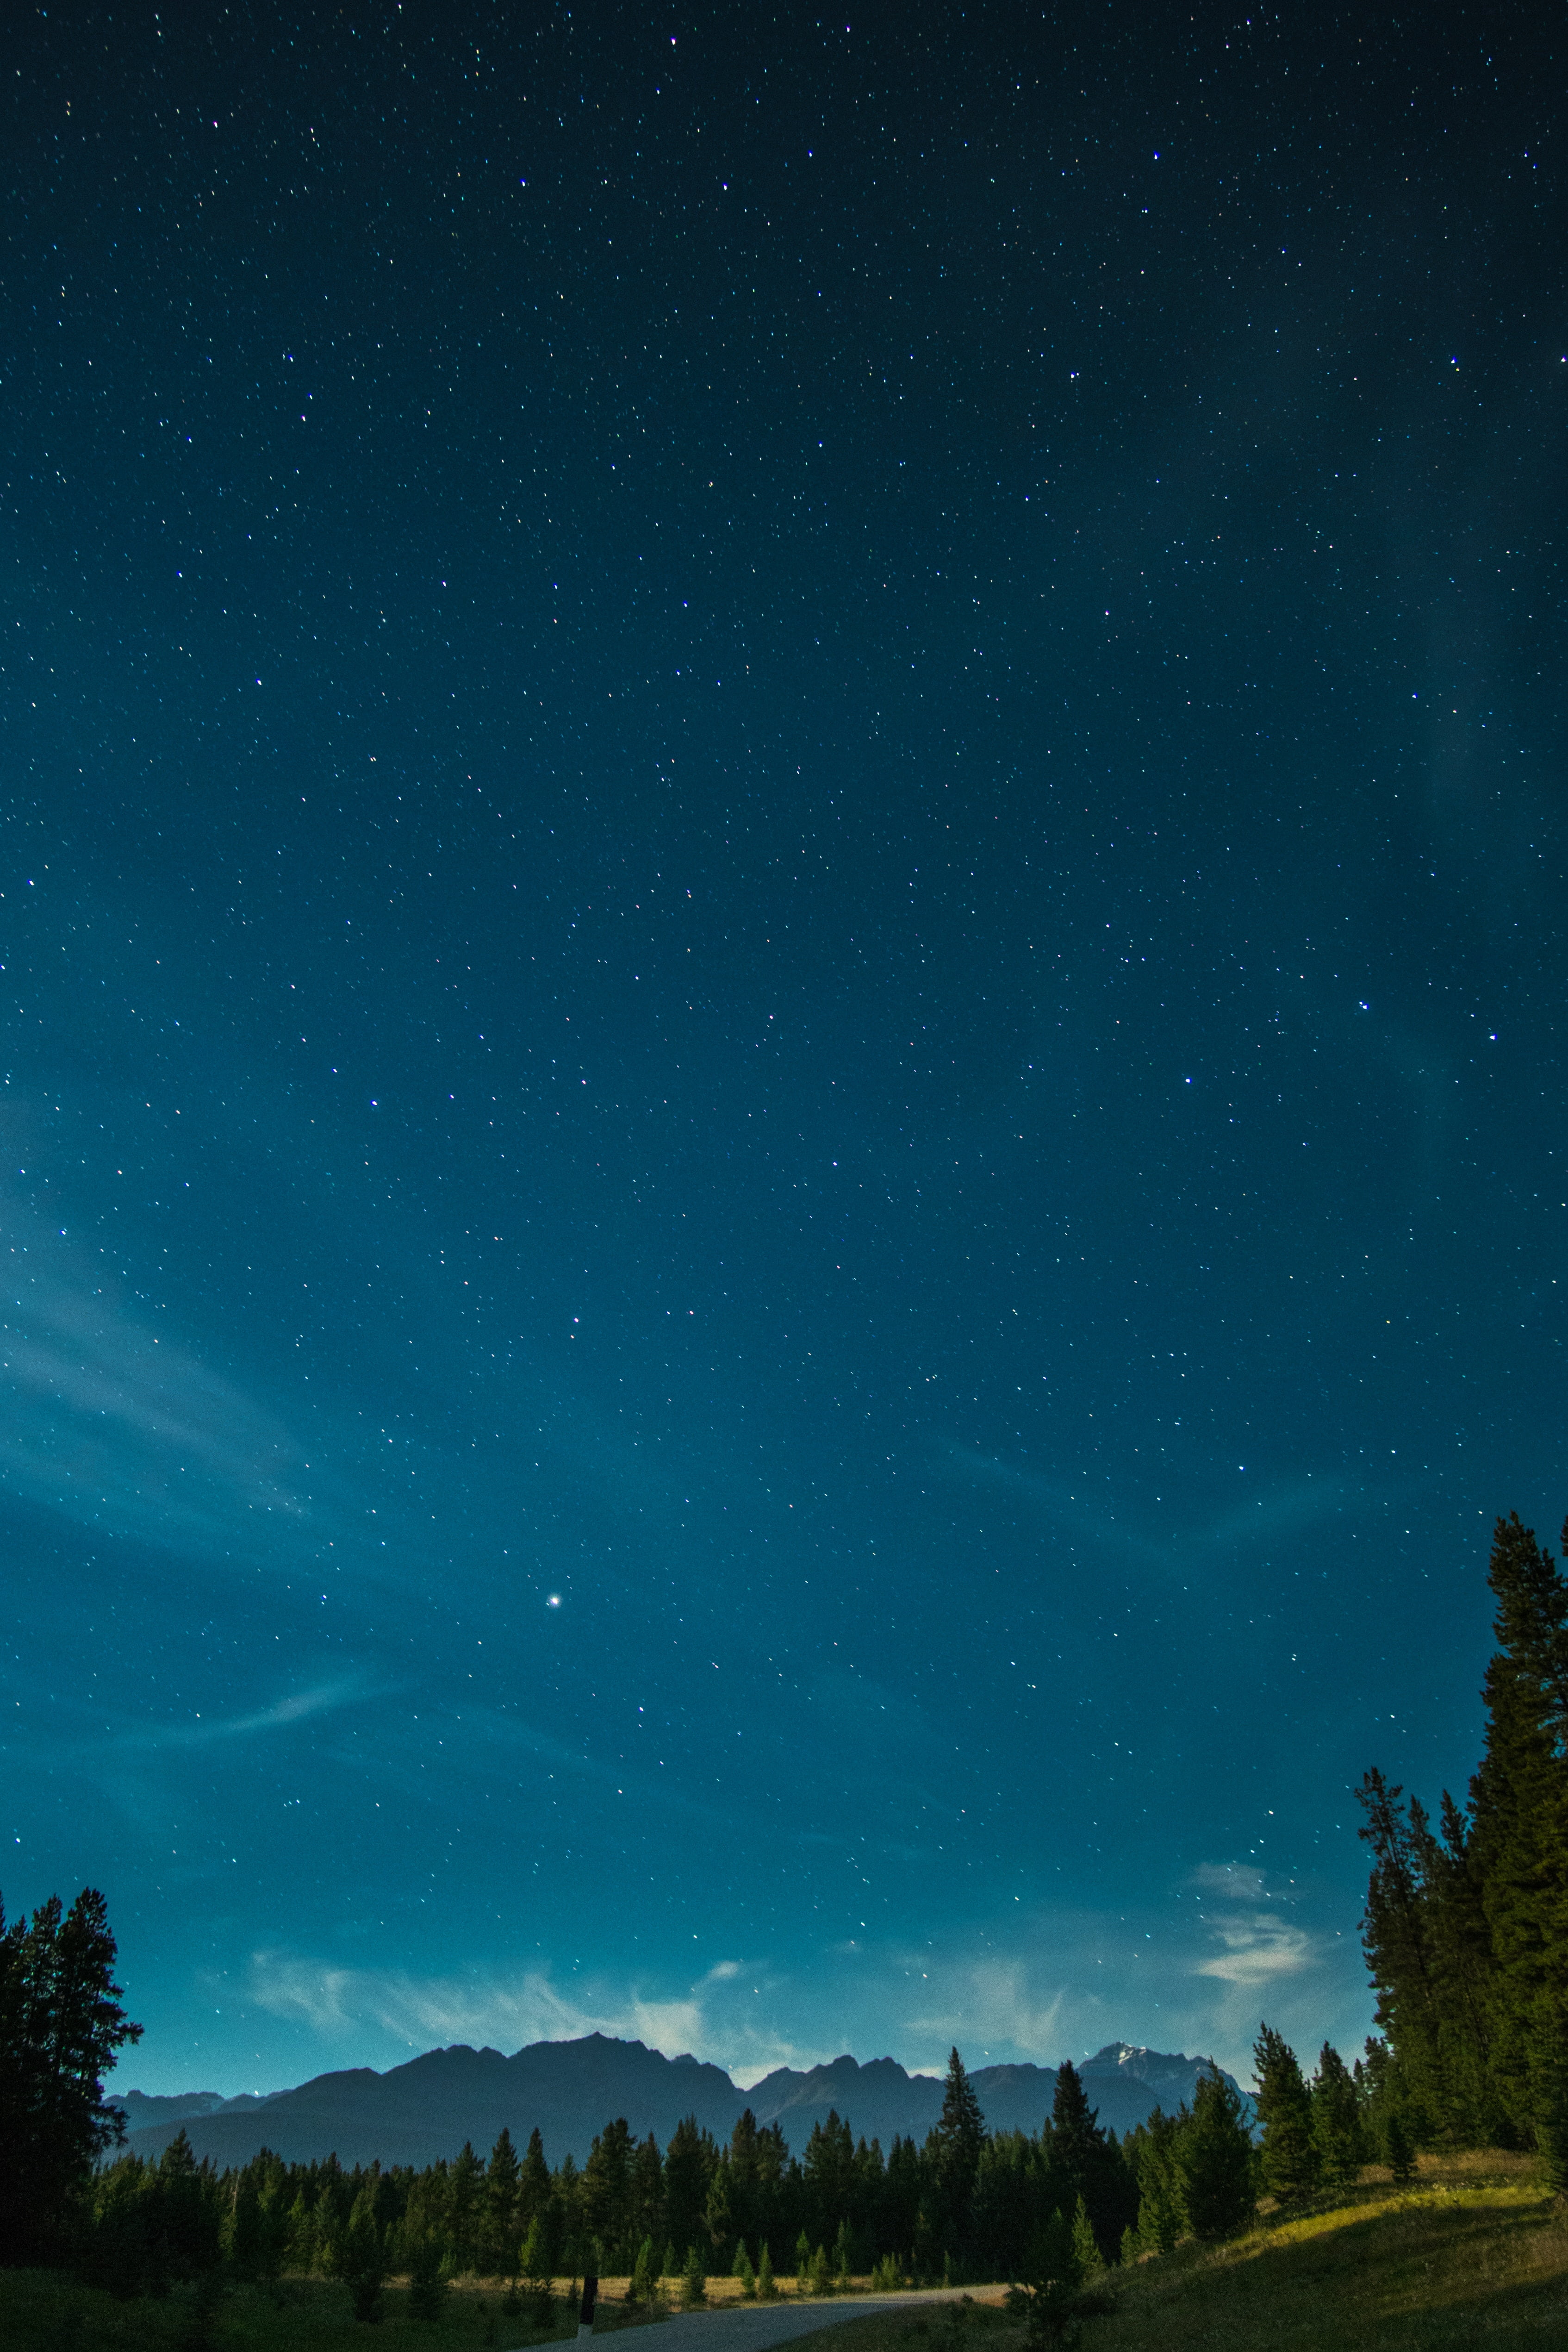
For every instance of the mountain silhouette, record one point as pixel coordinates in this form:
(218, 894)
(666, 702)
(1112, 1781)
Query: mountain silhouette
(425, 2109)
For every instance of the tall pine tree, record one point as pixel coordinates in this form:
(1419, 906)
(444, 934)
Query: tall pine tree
(1213, 2158)
(61, 2023)
(533, 2181)
(953, 2152)
(1466, 1932)
(691, 2160)
(499, 2236)
(1518, 1806)
(1337, 2126)
(1082, 2161)
(1291, 2163)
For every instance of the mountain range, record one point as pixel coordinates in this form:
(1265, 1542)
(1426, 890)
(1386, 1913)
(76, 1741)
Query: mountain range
(416, 2113)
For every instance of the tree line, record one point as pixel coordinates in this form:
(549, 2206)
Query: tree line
(963, 2205)
(1466, 1927)
(1048, 2208)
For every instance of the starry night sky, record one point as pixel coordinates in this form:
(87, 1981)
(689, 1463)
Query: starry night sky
(783, 1157)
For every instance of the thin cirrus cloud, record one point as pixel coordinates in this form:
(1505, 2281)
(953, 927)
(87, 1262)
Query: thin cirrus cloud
(124, 1428)
(113, 1418)
(1284, 1508)
(120, 1758)
(299, 1707)
(994, 2003)
(121, 1426)
(373, 2006)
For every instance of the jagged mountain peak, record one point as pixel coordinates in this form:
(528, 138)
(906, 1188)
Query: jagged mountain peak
(427, 2107)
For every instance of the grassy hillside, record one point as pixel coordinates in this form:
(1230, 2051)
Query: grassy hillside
(1473, 2258)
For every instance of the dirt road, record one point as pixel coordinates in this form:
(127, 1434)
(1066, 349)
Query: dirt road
(758, 2326)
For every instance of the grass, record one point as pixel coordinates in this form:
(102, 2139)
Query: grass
(1472, 2257)
(42, 2312)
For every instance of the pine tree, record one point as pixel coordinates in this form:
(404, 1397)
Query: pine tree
(301, 2233)
(1290, 2161)
(1007, 2194)
(802, 2263)
(1337, 2126)
(691, 2160)
(465, 2194)
(533, 2181)
(1082, 2161)
(954, 2151)
(498, 2228)
(1467, 1932)
(694, 2283)
(1399, 2148)
(1085, 2252)
(185, 2214)
(607, 2190)
(1519, 1804)
(741, 2268)
(901, 2196)
(428, 2286)
(361, 2256)
(1396, 1937)
(642, 2284)
(61, 2023)
(330, 2218)
(1552, 2120)
(244, 2228)
(566, 2213)
(767, 2284)
(273, 2185)
(538, 2258)
(1047, 2291)
(828, 2171)
(821, 2274)
(1214, 2156)
(1161, 2212)
(648, 2191)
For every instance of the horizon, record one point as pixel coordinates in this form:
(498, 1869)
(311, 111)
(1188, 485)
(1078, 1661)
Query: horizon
(741, 2081)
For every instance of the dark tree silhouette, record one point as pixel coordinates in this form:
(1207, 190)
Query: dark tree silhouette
(60, 2024)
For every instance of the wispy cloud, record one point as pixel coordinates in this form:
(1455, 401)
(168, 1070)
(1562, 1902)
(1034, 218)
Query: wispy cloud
(1256, 1947)
(111, 1419)
(324, 1699)
(339, 2001)
(112, 1415)
(1235, 1878)
(1282, 1509)
(506, 2011)
(994, 2003)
